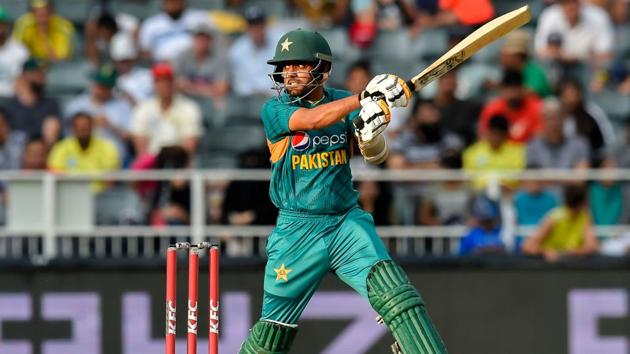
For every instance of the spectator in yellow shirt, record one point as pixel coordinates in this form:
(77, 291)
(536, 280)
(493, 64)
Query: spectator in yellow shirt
(46, 35)
(566, 231)
(84, 152)
(494, 153)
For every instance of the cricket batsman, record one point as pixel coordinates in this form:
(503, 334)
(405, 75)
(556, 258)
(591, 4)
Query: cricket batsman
(320, 227)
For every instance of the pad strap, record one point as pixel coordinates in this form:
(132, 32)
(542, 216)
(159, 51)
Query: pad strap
(402, 309)
(268, 337)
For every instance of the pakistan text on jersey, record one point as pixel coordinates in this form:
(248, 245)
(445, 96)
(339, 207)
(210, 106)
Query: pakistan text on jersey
(319, 160)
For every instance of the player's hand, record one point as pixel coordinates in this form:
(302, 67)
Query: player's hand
(373, 118)
(393, 88)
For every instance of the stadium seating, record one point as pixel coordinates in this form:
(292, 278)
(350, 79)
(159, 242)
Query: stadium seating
(15, 8)
(429, 45)
(616, 105)
(139, 8)
(390, 45)
(119, 205)
(244, 111)
(217, 161)
(77, 11)
(205, 4)
(622, 45)
(68, 77)
(235, 139)
(219, 148)
(504, 6)
(340, 44)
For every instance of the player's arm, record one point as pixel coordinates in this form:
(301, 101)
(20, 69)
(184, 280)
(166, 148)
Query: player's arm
(324, 115)
(532, 245)
(392, 90)
(590, 244)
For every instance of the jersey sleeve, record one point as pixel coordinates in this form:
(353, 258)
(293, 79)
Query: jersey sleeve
(275, 116)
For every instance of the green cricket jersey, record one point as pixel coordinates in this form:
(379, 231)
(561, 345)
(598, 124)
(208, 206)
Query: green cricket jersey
(310, 169)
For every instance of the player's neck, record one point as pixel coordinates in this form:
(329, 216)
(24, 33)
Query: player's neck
(316, 96)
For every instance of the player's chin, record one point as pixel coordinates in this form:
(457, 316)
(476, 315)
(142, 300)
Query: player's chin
(296, 90)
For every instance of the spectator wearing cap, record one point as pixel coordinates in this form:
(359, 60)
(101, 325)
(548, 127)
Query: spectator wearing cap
(574, 31)
(249, 54)
(567, 231)
(552, 148)
(165, 35)
(30, 111)
(494, 153)
(134, 83)
(83, 152)
(168, 119)
(111, 113)
(520, 107)
(12, 55)
(515, 55)
(46, 35)
(201, 69)
(485, 237)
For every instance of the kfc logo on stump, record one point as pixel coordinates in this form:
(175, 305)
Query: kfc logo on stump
(300, 141)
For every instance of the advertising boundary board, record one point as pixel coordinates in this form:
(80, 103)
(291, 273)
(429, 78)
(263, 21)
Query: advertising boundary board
(483, 307)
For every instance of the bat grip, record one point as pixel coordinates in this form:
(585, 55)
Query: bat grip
(411, 85)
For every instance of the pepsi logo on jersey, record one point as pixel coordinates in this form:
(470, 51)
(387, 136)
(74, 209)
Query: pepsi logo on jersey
(302, 141)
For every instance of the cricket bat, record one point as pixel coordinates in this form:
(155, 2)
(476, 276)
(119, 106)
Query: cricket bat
(470, 45)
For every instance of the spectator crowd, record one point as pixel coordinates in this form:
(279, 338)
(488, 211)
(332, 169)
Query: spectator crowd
(179, 86)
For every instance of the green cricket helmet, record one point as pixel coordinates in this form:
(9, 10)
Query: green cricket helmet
(301, 45)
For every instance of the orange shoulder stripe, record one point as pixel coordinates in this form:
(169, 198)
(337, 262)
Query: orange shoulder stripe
(278, 149)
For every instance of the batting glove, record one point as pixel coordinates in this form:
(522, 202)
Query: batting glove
(372, 120)
(393, 88)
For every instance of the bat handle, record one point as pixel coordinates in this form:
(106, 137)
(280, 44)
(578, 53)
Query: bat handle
(411, 85)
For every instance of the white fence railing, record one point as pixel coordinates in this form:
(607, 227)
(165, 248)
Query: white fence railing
(49, 239)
